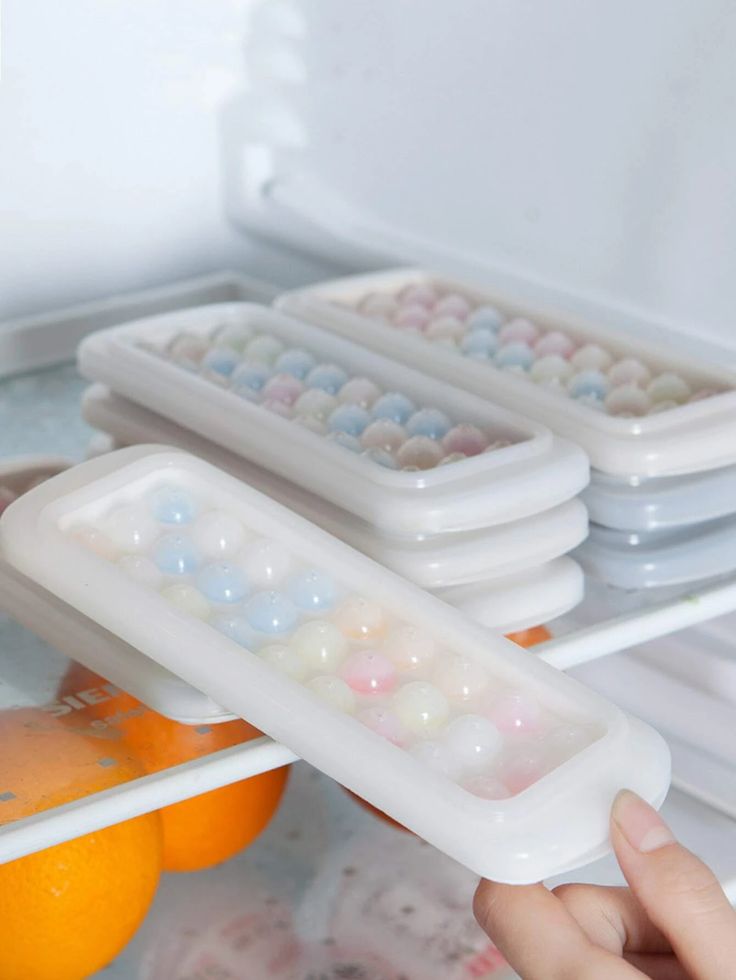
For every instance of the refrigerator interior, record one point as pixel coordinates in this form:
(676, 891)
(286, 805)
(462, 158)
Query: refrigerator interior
(293, 142)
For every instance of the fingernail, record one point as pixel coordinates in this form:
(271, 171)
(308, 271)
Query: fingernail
(640, 823)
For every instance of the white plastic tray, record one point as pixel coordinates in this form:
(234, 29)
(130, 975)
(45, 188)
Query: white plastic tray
(432, 561)
(521, 601)
(654, 559)
(535, 473)
(664, 502)
(686, 439)
(556, 823)
(81, 639)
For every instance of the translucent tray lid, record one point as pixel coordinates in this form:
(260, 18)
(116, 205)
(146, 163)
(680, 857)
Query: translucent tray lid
(81, 639)
(558, 821)
(688, 438)
(649, 559)
(533, 473)
(665, 502)
(432, 561)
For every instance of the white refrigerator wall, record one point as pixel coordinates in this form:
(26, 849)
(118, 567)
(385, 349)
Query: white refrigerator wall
(585, 148)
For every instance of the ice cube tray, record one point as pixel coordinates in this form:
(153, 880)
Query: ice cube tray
(497, 467)
(432, 561)
(666, 502)
(491, 755)
(635, 407)
(660, 558)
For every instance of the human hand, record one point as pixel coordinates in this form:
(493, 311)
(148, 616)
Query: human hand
(672, 922)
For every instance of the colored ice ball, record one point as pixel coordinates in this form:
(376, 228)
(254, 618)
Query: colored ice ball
(220, 360)
(141, 570)
(460, 678)
(420, 707)
(296, 362)
(187, 599)
(383, 434)
(419, 452)
(526, 765)
(223, 582)
(554, 342)
(410, 648)
(187, 348)
(237, 628)
(383, 722)
(515, 711)
(369, 672)
(283, 388)
(629, 371)
(480, 343)
(453, 304)
(473, 742)
(218, 534)
(326, 377)
(393, 406)
(345, 440)
(552, 368)
(249, 378)
(131, 527)
(277, 407)
(588, 383)
(234, 335)
(264, 349)
(518, 330)
(627, 399)
(591, 357)
(514, 355)
(284, 659)
(359, 391)
(486, 317)
(173, 505)
(351, 419)
(429, 422)
(312, 590)
(271, 612)
(359, 618)
(320, 644)
(421, 293)
(668, 387)
(266, 562)
(334, 692)
(382, 458)
(176, 554)
(465, 438)
(315, 403)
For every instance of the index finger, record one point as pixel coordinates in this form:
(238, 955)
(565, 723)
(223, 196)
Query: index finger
(539, 938)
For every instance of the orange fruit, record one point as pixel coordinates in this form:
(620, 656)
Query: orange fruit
(377, 813)
(530, 637)
(204, 830)
(67, 911)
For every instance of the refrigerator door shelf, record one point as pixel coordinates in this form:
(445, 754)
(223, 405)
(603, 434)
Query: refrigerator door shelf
(699, 435)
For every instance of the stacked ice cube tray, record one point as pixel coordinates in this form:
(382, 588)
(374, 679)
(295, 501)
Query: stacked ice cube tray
(435, 483)
(496, 758)
(660, 430)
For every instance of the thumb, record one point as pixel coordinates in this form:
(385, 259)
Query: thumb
(680, 894)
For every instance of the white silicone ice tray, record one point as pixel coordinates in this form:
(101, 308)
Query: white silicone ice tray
(664, 502)
(536, 472)
(466, 717)
(666, 557)
(688, 438)
(432, 561)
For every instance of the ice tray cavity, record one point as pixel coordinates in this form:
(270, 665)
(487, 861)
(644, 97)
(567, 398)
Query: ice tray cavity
(406, 420)
(385, 688)
(608, 392)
